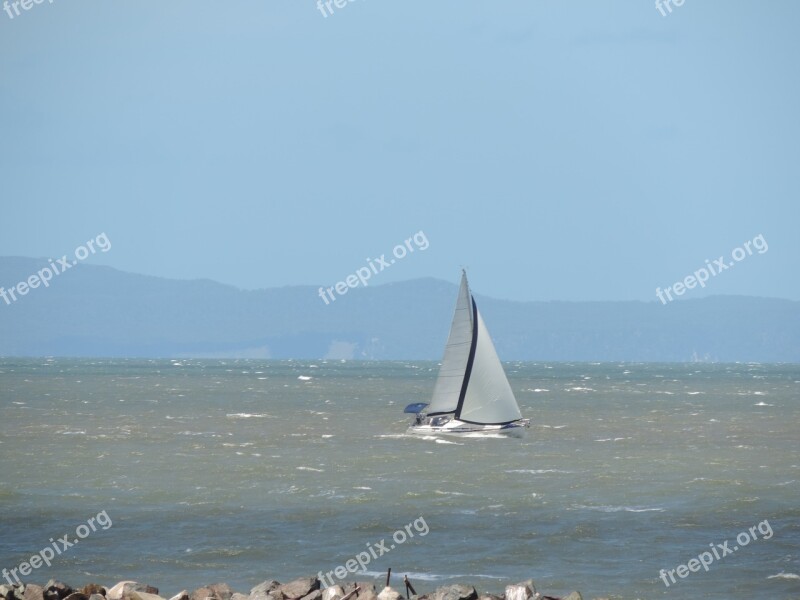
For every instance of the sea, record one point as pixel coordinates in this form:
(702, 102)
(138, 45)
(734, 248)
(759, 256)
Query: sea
(241, 471)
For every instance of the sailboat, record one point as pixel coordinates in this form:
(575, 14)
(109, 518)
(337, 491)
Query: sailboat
(472, 394)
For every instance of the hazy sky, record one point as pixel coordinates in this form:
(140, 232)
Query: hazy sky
(560, 150)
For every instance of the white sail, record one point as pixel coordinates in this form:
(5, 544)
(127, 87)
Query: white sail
(456, 354)
(488, 398)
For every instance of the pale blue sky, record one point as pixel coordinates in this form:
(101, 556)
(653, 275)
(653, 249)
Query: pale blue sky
(561, 150)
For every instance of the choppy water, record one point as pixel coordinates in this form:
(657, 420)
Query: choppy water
(241, 471)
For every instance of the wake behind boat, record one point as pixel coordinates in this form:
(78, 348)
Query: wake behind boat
(472, 394)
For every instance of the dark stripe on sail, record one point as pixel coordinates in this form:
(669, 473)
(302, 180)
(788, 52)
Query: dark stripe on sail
(470, 360)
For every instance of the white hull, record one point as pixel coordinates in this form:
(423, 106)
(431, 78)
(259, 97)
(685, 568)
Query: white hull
(457, 428)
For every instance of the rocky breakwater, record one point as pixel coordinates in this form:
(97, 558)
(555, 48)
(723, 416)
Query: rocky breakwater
(304, 588)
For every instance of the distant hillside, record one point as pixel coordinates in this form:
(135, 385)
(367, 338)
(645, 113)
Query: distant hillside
(103, 312)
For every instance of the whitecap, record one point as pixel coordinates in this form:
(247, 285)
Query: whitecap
(247, 415)
(310, 469)
(613, 509)
(783, 575)
(536, 471)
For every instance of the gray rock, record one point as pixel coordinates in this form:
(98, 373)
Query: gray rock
(77, 596)
(574, 596)
(388, 593)
(203, 593)
(299, 588)
(221, 591)
(333, 592)
(123, 589)
(97, 597)
(315, 595)
(238, 596)
(56, 590)
(93, 588)
(142, 596)
(455, 591)
(5, 590)
(366, 590)
(182, 595)
(265, 587)
(524, 590)
(34, 592)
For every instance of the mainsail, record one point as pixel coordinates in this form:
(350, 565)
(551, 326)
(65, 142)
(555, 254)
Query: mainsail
(447, 390)
(472, 384)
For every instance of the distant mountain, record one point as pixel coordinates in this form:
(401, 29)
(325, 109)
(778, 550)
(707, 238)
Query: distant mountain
(102, 312)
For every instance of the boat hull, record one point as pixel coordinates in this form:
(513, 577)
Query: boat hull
(457, 428)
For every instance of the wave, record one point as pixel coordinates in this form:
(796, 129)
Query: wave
(248, 416)
(537, 471)
(783, 575)
(614, 509)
